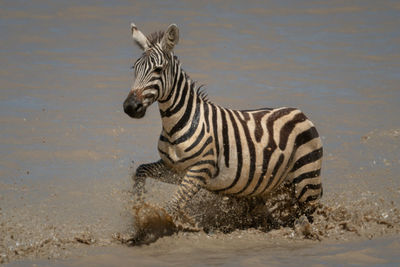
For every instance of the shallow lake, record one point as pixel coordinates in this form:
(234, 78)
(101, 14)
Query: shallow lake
(67, 150)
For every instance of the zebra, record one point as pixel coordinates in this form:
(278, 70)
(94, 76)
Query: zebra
(239, 153)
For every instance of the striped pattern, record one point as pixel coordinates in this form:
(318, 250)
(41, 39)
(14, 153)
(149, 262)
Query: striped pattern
(241, 153)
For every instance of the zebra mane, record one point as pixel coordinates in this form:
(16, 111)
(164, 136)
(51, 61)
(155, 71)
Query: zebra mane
(201, 92)
(155, 37)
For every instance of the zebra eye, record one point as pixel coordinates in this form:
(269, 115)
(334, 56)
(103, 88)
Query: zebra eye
(158, 69)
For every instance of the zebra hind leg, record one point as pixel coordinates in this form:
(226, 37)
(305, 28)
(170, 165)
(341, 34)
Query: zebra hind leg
(308, 188)
(280, 208)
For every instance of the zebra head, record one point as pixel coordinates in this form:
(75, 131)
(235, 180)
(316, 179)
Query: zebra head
(151, 69)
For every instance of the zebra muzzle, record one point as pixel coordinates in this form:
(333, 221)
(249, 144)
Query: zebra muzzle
(134, 107)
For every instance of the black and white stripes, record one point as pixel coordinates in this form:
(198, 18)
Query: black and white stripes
(242, 153)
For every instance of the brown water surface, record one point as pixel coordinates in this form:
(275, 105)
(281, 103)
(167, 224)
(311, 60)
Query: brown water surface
(67, 147)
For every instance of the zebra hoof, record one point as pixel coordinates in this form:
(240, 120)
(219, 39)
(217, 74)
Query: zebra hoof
(151, 223)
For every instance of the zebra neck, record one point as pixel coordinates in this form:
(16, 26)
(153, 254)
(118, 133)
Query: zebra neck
(181, 107)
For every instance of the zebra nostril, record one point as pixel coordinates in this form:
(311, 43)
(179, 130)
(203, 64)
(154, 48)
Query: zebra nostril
(139, 107)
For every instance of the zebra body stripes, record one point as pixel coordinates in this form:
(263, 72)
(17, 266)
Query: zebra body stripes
(243, 153)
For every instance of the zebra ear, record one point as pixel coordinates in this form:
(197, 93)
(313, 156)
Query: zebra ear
(171, 38)
(139, 38)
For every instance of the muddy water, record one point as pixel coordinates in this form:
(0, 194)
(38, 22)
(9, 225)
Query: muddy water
(67, 148)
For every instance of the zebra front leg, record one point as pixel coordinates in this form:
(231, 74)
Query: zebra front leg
(153, 222)
(185, 192)
(154, 169)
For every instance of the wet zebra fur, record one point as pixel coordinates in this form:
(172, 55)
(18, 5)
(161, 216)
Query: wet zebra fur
(243, 153)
